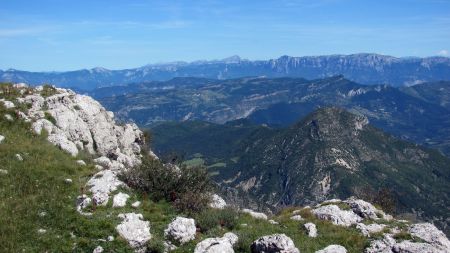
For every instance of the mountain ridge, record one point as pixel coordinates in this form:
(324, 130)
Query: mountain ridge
(363, 68)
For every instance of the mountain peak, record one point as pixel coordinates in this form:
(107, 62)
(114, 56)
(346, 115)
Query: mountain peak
(232, 59)
(333, 123)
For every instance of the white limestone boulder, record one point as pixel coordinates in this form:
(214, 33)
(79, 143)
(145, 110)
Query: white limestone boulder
(430, 234)
(102, 184)
(333, 249)
(297, 217)
(364, 209)
(217, 202)
(2, 138)
(181, 230)
(217, 245)
(273, 244)
(120, 199)
(368, 230)
(8, 104)
(337, 216)
(134, 229)
(63, 143)
(311, 229)
(254, 214)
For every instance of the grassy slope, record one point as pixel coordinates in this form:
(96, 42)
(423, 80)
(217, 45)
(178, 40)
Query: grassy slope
(37, 185)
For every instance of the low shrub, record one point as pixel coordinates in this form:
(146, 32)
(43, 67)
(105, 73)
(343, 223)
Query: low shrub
(187, 188)
(212, 218)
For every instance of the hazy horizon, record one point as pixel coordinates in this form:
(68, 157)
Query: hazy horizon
(54, 35)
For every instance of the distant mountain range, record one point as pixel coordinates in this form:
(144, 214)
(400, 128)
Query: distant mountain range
(361, 68)
(330, 153)
(419, 113)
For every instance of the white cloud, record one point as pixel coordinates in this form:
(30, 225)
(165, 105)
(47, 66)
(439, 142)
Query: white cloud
(444, 52)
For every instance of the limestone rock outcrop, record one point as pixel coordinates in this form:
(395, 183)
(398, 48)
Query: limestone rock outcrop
(134, 229)
(336, 215)
(217, 245)
(276, 243)
(181, 230)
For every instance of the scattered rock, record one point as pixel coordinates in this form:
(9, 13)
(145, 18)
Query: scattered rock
(383, 245)
(217, 245)
(102, 184)
(2, 138)
(370, 229)
(4, 172)
(217, 202)
(83, 201)
(8, 104)
(297, 217)
(99, 249)
(296, 212)
(81, 162)
(273, 222)
(430, 234)
(110, 238)
(181, 230)
(98, 167)
(42, 231)
(103, 161)
(19, 157)
(134, 229)
(415, 247)
(333, 249)
(254, 214)
(120, 199)
(273, 244)
(311, 228)
(136, 204)
(337, 216)
(63, 143)
(168, 246)
(364, 209)
(42, 214)
(8, 117)
(68, 180)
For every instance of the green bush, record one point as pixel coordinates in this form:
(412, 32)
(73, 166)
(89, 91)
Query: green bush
(48, 90)
(212, 218)
(50, 118)
(187, 188)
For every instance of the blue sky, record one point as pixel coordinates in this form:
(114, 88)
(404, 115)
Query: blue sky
(67, 35)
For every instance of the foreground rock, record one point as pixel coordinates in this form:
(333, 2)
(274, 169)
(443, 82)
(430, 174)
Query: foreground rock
(217, 202)
(254, 214)
(181, 230)
(431, 240)
(78, 122)
(135, 230)
(2, 138)
(430, 234)
(311, 229)
(102, 184)
(337, 216)
(217, 245)
(333, 249)
(365, 209)
(368, 230)
(120, 199)
(273, 244)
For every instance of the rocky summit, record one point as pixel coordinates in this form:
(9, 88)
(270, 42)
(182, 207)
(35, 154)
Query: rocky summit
(63, 159)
